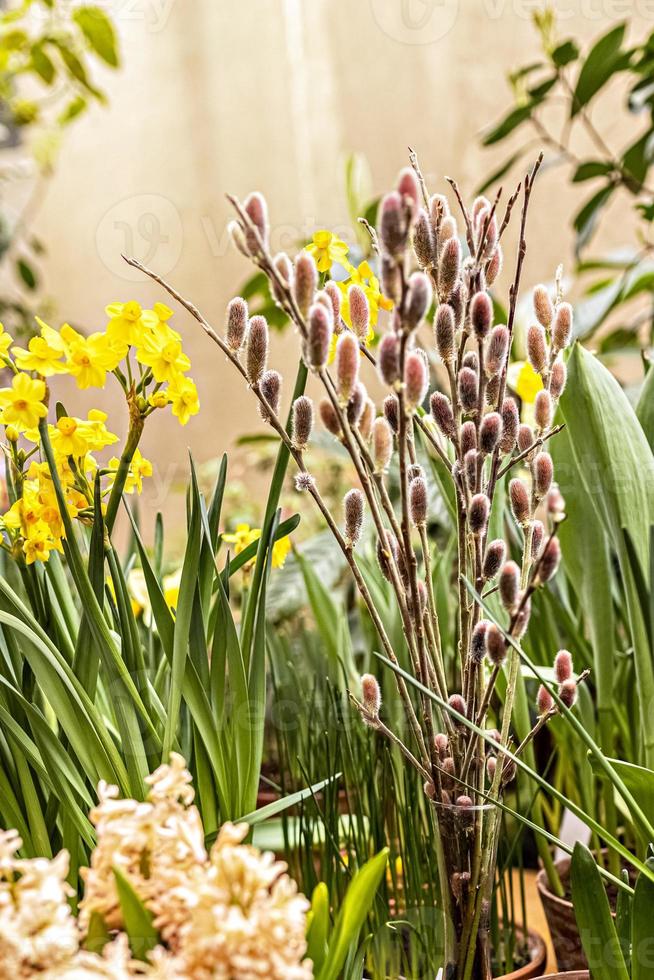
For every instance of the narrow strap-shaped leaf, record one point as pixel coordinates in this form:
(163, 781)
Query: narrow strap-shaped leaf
(319, 926)
(623, 910)
(139, 927)
(642, 928)
(596, 927)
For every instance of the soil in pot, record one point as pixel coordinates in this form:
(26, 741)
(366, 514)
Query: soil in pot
(561, 920)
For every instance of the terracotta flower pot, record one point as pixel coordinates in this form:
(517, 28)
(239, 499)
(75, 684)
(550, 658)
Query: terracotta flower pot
(536, 965)
(561, 920)
(574, 975)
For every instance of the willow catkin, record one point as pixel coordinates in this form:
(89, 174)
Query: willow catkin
(444, 330)
(271, 388)
(257, 349)
(237, 322)
(359, 311)
(302, 421)
(382, 444)
(416, 379)
(319, 336)
(305, 281)
(257, 211)
(388, 359)
(393, 228)
(353, 506)
(543, 307)
(347, 365)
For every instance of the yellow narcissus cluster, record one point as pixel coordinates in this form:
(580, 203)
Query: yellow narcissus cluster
(144, 354)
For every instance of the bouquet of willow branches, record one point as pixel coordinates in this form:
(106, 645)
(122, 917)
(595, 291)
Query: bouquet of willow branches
(475, 431)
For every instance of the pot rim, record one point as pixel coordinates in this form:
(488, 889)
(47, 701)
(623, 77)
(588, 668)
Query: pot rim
(538, 951)
(542, 885)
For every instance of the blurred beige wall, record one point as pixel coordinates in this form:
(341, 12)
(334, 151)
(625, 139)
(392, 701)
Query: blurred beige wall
(272, 94)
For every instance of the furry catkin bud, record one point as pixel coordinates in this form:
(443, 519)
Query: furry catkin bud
(347, 365)
(491, 766)
(392, 224)
(447, 230)
(257, 349)
(388, 359)
(468, 437)
(537, 535)
(418, 500)
(441, 412)
(543, 409)
(319, 335)
(468, 387)
(457, 302)
(423, 242)
(449, 268)
(494, 266)
(525, 437)
(359, 311)
(456, 702)
(392, 411)
(497, 349)
(563, 666)
(391, 278)
(568, 692)
(470, 469)
(382, 444)
(492, 389)
(562, 329)
(549, 561)
(367, 418)
(543, 307)
(237, 322)
(284, 268)
(556, 503)
(257, 211)
(490, 432)
(271, 388)
(353, 510)
(543, 473)
(407, 185)
(356, 404)
(558, 379)
(494, 558)
(335, 297)
(415, 470)
(370, 695)
(519, 497)
(495, 645)
(510, 423)
(444, 330)
(304, 482)
(544, 701)
(481, 314)
(509, 585)
(302, 421)
(478, 641)
(329, 417)
(416, 379)
(305, 281)
(442, 744)
(238, 238)
(537, 347)
(418, 300)
(478, 513)
(471, 360)
(439, 209)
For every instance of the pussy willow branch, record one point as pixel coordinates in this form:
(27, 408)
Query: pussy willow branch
(313, 491)
(536, 444)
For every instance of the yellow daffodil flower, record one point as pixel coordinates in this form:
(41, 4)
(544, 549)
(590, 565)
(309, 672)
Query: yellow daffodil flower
(127, 322)
(6, 340)
(44, 353)
(39, 544)
(183, 396)
(525, 381)
(139, 467)
(90, 358)
(22, 404)
(161, 351)
(245, 535)
(326, 249)
(68, 437)
(364, 276)
(158, 399)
